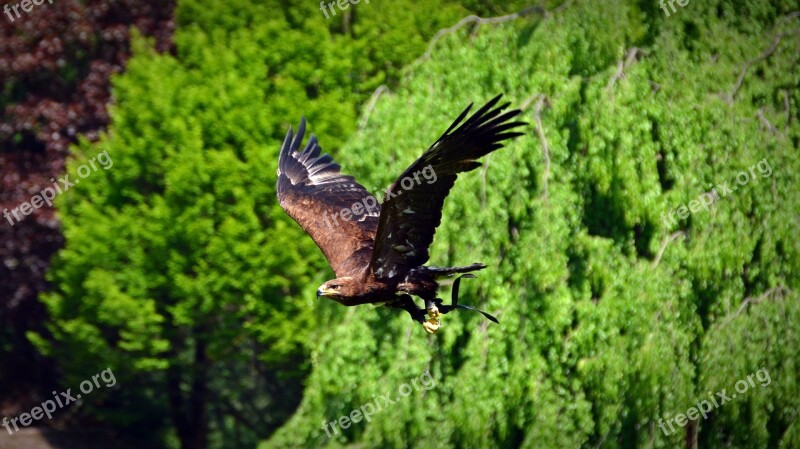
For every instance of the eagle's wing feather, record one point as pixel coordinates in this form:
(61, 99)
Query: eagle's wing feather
(313, 192)
(409, 217)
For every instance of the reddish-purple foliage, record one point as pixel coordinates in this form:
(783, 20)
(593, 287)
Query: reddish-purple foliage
(55, 64)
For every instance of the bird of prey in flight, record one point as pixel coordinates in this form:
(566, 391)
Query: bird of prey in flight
(377, 251)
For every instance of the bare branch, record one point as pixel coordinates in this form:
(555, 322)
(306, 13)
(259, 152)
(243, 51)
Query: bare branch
(371, 105)
(473, 19)
(787, 110)
(669, 239)
(654, 87)
(541, 101)
(524, 105)
(483, 179)
(537, 117)
(477, 21)
(775, 291)
(630, 58)
(764, 121)
(763, 56)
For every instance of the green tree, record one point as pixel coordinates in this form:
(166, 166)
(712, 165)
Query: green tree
(613, 318)
(180, 270)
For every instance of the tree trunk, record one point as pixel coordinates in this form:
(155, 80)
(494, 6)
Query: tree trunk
(189, 413)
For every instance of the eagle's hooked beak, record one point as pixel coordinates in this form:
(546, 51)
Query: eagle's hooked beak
(324, 291)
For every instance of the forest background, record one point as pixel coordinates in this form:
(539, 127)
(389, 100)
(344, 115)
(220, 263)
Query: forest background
(629, 284)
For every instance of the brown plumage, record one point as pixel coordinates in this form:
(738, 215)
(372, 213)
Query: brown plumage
(378, 251)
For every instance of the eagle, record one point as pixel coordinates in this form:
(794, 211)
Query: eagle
(378, 251)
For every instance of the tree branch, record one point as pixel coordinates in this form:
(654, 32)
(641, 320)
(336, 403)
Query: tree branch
(763, 56)
(764, 121)
(788, 111)
(541, 101)
(775, 291)
(664, 244)
(630, 58)
(537, 117)
(477, 21)
(373, 100)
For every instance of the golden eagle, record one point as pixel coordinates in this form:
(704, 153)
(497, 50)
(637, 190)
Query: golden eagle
(377, 251)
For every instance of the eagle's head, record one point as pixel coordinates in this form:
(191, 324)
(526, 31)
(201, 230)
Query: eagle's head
(339, 288)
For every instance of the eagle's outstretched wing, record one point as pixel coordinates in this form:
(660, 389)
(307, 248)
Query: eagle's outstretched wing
(409, 216)
(314, 193)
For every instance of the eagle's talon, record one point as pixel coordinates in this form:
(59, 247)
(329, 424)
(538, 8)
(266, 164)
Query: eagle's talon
(433, 311)
(431, 325)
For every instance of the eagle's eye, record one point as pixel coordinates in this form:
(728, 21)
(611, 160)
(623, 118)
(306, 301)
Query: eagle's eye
(335, 286)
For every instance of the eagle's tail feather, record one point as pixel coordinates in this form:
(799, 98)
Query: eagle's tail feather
(438, 272)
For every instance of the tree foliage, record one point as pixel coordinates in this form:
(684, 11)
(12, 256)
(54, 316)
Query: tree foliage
(55, 66)
(612, 318)
(181, 272)
(177, 270)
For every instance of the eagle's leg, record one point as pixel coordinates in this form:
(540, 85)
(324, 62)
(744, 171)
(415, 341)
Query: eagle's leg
(406, 302)
(425, 287)
(432, 324)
